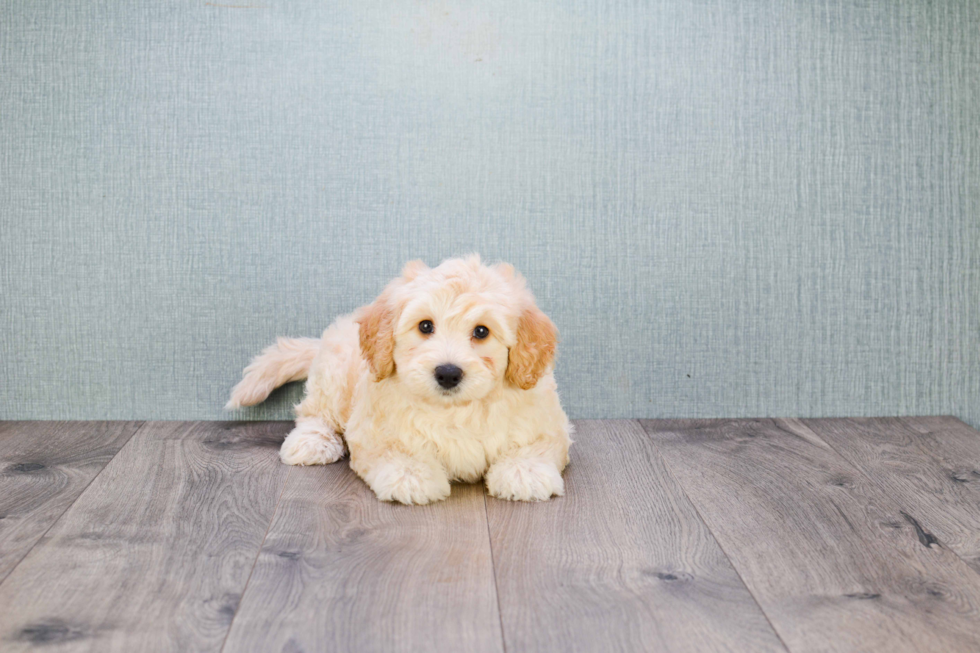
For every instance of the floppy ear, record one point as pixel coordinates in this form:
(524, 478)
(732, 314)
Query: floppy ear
(537, 339)
(377, 335)
(376, 324)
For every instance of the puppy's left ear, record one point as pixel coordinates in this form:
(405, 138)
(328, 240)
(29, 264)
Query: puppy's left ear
(537, 339)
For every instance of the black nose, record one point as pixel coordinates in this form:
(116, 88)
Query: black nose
(448, 376)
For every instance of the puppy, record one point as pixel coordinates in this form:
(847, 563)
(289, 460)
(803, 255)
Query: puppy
(446, 377)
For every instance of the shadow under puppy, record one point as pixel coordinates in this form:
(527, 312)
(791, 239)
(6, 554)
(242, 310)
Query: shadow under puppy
(447, 376)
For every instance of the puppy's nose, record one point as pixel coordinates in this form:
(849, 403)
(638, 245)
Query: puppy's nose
(448, 376)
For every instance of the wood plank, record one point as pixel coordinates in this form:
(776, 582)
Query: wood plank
(830, 557)
(622, 562)
(44, 466)
(342, 571)
(929, 465)
(156, 552)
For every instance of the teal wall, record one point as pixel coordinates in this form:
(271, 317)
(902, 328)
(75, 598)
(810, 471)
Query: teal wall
(729, 207)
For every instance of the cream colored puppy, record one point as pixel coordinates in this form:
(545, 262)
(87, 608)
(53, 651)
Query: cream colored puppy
(447, 376)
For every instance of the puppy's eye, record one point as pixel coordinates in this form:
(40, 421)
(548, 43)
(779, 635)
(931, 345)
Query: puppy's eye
(425, 326)
(481, 332)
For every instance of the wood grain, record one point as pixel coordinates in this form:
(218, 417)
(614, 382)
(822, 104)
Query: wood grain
(836, 564)
(928, 465)
(156, 553)
(44, 466)
(622, 562)
(342, 571)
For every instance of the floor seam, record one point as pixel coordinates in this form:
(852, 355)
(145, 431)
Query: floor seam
(132, 435)
(493, 568)
(272, 519)
(903, 508)
(714, 537)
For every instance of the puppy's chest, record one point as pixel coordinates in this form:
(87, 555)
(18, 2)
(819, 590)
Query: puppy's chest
(465, 450)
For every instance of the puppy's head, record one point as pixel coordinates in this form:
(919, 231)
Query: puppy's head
(454, 333)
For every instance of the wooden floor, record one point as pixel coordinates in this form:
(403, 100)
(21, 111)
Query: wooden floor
(739, 535)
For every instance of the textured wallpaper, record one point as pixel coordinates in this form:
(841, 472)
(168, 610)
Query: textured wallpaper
(729, 207)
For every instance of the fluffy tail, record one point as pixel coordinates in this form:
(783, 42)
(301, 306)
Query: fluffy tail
(287, 360)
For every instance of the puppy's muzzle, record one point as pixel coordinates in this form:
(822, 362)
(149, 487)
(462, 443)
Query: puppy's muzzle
(448, 376)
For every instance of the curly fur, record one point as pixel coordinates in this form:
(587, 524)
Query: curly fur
(371, 385)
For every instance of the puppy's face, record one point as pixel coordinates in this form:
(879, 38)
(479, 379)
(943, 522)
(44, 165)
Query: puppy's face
(451, 346)
(454, 333)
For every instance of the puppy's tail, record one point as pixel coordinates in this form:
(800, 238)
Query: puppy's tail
(287, 360)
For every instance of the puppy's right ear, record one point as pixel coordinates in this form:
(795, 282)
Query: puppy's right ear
(377, 334)
(376, 324)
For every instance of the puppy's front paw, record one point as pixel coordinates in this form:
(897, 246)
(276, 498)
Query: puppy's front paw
(408, 481)
(524, 479)
(312, 442)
